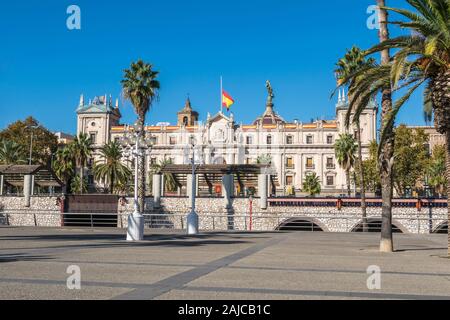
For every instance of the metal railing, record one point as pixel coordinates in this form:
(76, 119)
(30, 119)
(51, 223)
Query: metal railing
(258, 221)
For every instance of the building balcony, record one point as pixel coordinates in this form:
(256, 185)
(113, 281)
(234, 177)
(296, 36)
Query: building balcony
(331, 166)
(310, 167)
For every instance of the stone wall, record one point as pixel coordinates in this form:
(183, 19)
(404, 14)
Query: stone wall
(43, 211)
(214, 216)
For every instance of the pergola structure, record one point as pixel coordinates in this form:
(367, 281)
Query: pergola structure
(219, 179)
(210, 175)
(26, 177)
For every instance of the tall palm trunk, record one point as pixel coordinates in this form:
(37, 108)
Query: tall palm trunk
(81, 178)
(440, 88)
(141, 169)
(361, 180)
(447, 163)
(347, 177)
(385, 158)
(111, 183)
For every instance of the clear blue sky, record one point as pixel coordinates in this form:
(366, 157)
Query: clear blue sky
(44, 67)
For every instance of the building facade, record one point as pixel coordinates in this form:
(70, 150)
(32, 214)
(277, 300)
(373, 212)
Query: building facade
(294, 149)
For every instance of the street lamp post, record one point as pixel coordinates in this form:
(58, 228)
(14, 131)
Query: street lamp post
(192, 217)
(31, 144)
(137, 146)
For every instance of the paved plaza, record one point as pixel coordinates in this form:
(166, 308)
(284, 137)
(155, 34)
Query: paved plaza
(171, 265)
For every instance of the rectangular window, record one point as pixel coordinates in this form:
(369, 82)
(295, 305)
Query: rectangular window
(153, 161)
(309, 163)
(309, 140)
(289, 162)
(329, 139)
(172, 140)
(330, 163)
(289, 140)
(330, 181)
(93, 137)
(269, 139)
(289, 180)
(249, 140)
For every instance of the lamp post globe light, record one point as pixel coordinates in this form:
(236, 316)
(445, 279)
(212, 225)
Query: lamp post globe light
(136, 145)
(192, 217)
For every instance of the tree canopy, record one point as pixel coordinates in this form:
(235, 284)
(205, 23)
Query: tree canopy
(45, 143)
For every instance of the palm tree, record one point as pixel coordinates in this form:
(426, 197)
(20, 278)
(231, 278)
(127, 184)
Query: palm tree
(423, 57)
(141, 88)
(170, 182)
(64, 164)
(82, 149)
(371, 81)
(345, 149)
(111, 170)
(311, 184)
(354, 61)
(11, 153)
(78, 185)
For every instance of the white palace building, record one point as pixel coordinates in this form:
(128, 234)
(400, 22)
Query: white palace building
(295, 149)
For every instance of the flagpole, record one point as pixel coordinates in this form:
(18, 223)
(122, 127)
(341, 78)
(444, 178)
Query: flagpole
(221, 95)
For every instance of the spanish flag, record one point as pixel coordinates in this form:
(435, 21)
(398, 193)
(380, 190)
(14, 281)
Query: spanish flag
(227, 100)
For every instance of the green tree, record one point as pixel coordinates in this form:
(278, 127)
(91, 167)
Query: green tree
(78, 186)
(411, 158)
(345, 149)
(371, 172)
(81, 149)
(141, 88)
(264, 159)
(111, 170)
(436, 170)
(353, 62)
(45, 143)
(422, 57)
(64, 164)
(311, 184)
(11, 153)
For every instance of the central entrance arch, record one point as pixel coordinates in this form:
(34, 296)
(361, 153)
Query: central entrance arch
(301, 224)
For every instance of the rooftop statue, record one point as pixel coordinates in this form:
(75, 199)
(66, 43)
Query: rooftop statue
(270, 92)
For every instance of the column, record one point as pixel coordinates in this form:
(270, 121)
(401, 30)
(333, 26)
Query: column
(161, 186)
(27, 189)
(262, 191)
(157, 178)
(1, 185)
(189, 191)
(227, 190)
(32, 185)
